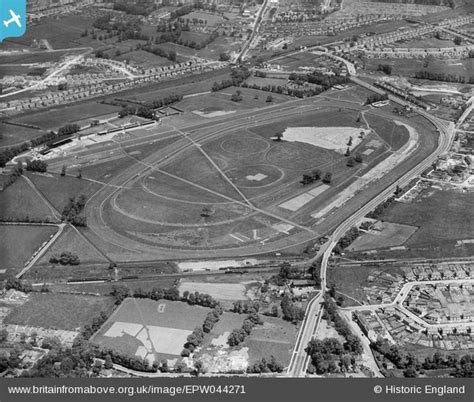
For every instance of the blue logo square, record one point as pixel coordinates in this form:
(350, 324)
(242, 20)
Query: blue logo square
(12, 18)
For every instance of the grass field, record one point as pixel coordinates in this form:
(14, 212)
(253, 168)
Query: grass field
(59, 311)
(407, 67)
(351, 280)
(391, 235)
(145, 59)
(443, 218)
(13, 135)
(156, 329)
(19, 242)
(275, 337)
(54, 118)
(219, 291)
(19, 202)
(58, 190)
(61, 33)
(73, 242)
(393, 134)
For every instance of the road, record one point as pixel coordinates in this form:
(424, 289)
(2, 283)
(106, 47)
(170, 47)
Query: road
(243, 54)
(300, 359)
(47, 79)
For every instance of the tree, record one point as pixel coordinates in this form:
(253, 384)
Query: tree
(358, 158)
(237, 96)
(36, 165)
(278, 136)
(79, 173)
(350, 162)
(3, 335)
(327, 178)
(108, 364)
(457, 40)
(269, 99)
(63, 171)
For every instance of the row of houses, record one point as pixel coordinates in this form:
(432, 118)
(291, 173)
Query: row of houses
(104, 88)
(460, 52)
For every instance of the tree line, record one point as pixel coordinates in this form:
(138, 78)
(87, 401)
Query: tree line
(73, 209)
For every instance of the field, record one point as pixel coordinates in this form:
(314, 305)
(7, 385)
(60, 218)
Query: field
(443, 218)
(394, 134)
(19, 242)
(70, 240)
(58, 190)
(151, 329)
(145, 59)
(351, 280)
(61, 33)
(204, 207)
(219, 291)
(54, 118)
(14, 135)
(390, 235)
(407, 67)
(19, 202)
(275, 337)
(59, 311)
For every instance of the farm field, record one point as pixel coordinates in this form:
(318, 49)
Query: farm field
(19, 202)
(62, 33)
(37, 57)
(275, 337)
(70, 240)
(54, 118)
(426, 43)
(219, 291)
(59, 311)
(14, 135)
(443, 218)
(408, 67)
(18, 244)
(150, 329)
(351, 280)
(58, 190)
(145, 59)
(390, 235)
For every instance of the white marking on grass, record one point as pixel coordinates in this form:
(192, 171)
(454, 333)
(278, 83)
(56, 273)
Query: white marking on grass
(237, 238)
(217, 113)
(283, 227)
(256, 177)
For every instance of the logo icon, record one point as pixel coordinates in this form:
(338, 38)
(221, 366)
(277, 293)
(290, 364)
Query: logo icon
(12, 18)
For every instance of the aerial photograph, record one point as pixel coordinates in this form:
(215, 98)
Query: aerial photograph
(208, 188)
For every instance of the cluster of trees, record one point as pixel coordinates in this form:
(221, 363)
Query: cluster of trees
(237, 336)
(428, 75)
(36, 165)
(346, 240)
(245, 307)
(377, 212)
(310, 178)
(278, 89)
(385, 68)
(352, 343)
(195, 339)
(318, 78)
(329, 356)
(9, 153)
(11, 360)
(237, 77)
(315, 271)
(68, 129)
(376, 98)
(72, 211)
(237, 96)
(146, 110)
(13, 176)
(463, 366)
(93, 327)
(66, 258)
(132, 362)
(121, 292)
(286, 272)
(353, 160)
(291, 312)
(264, 366)
(18, 284)
(124, 30)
